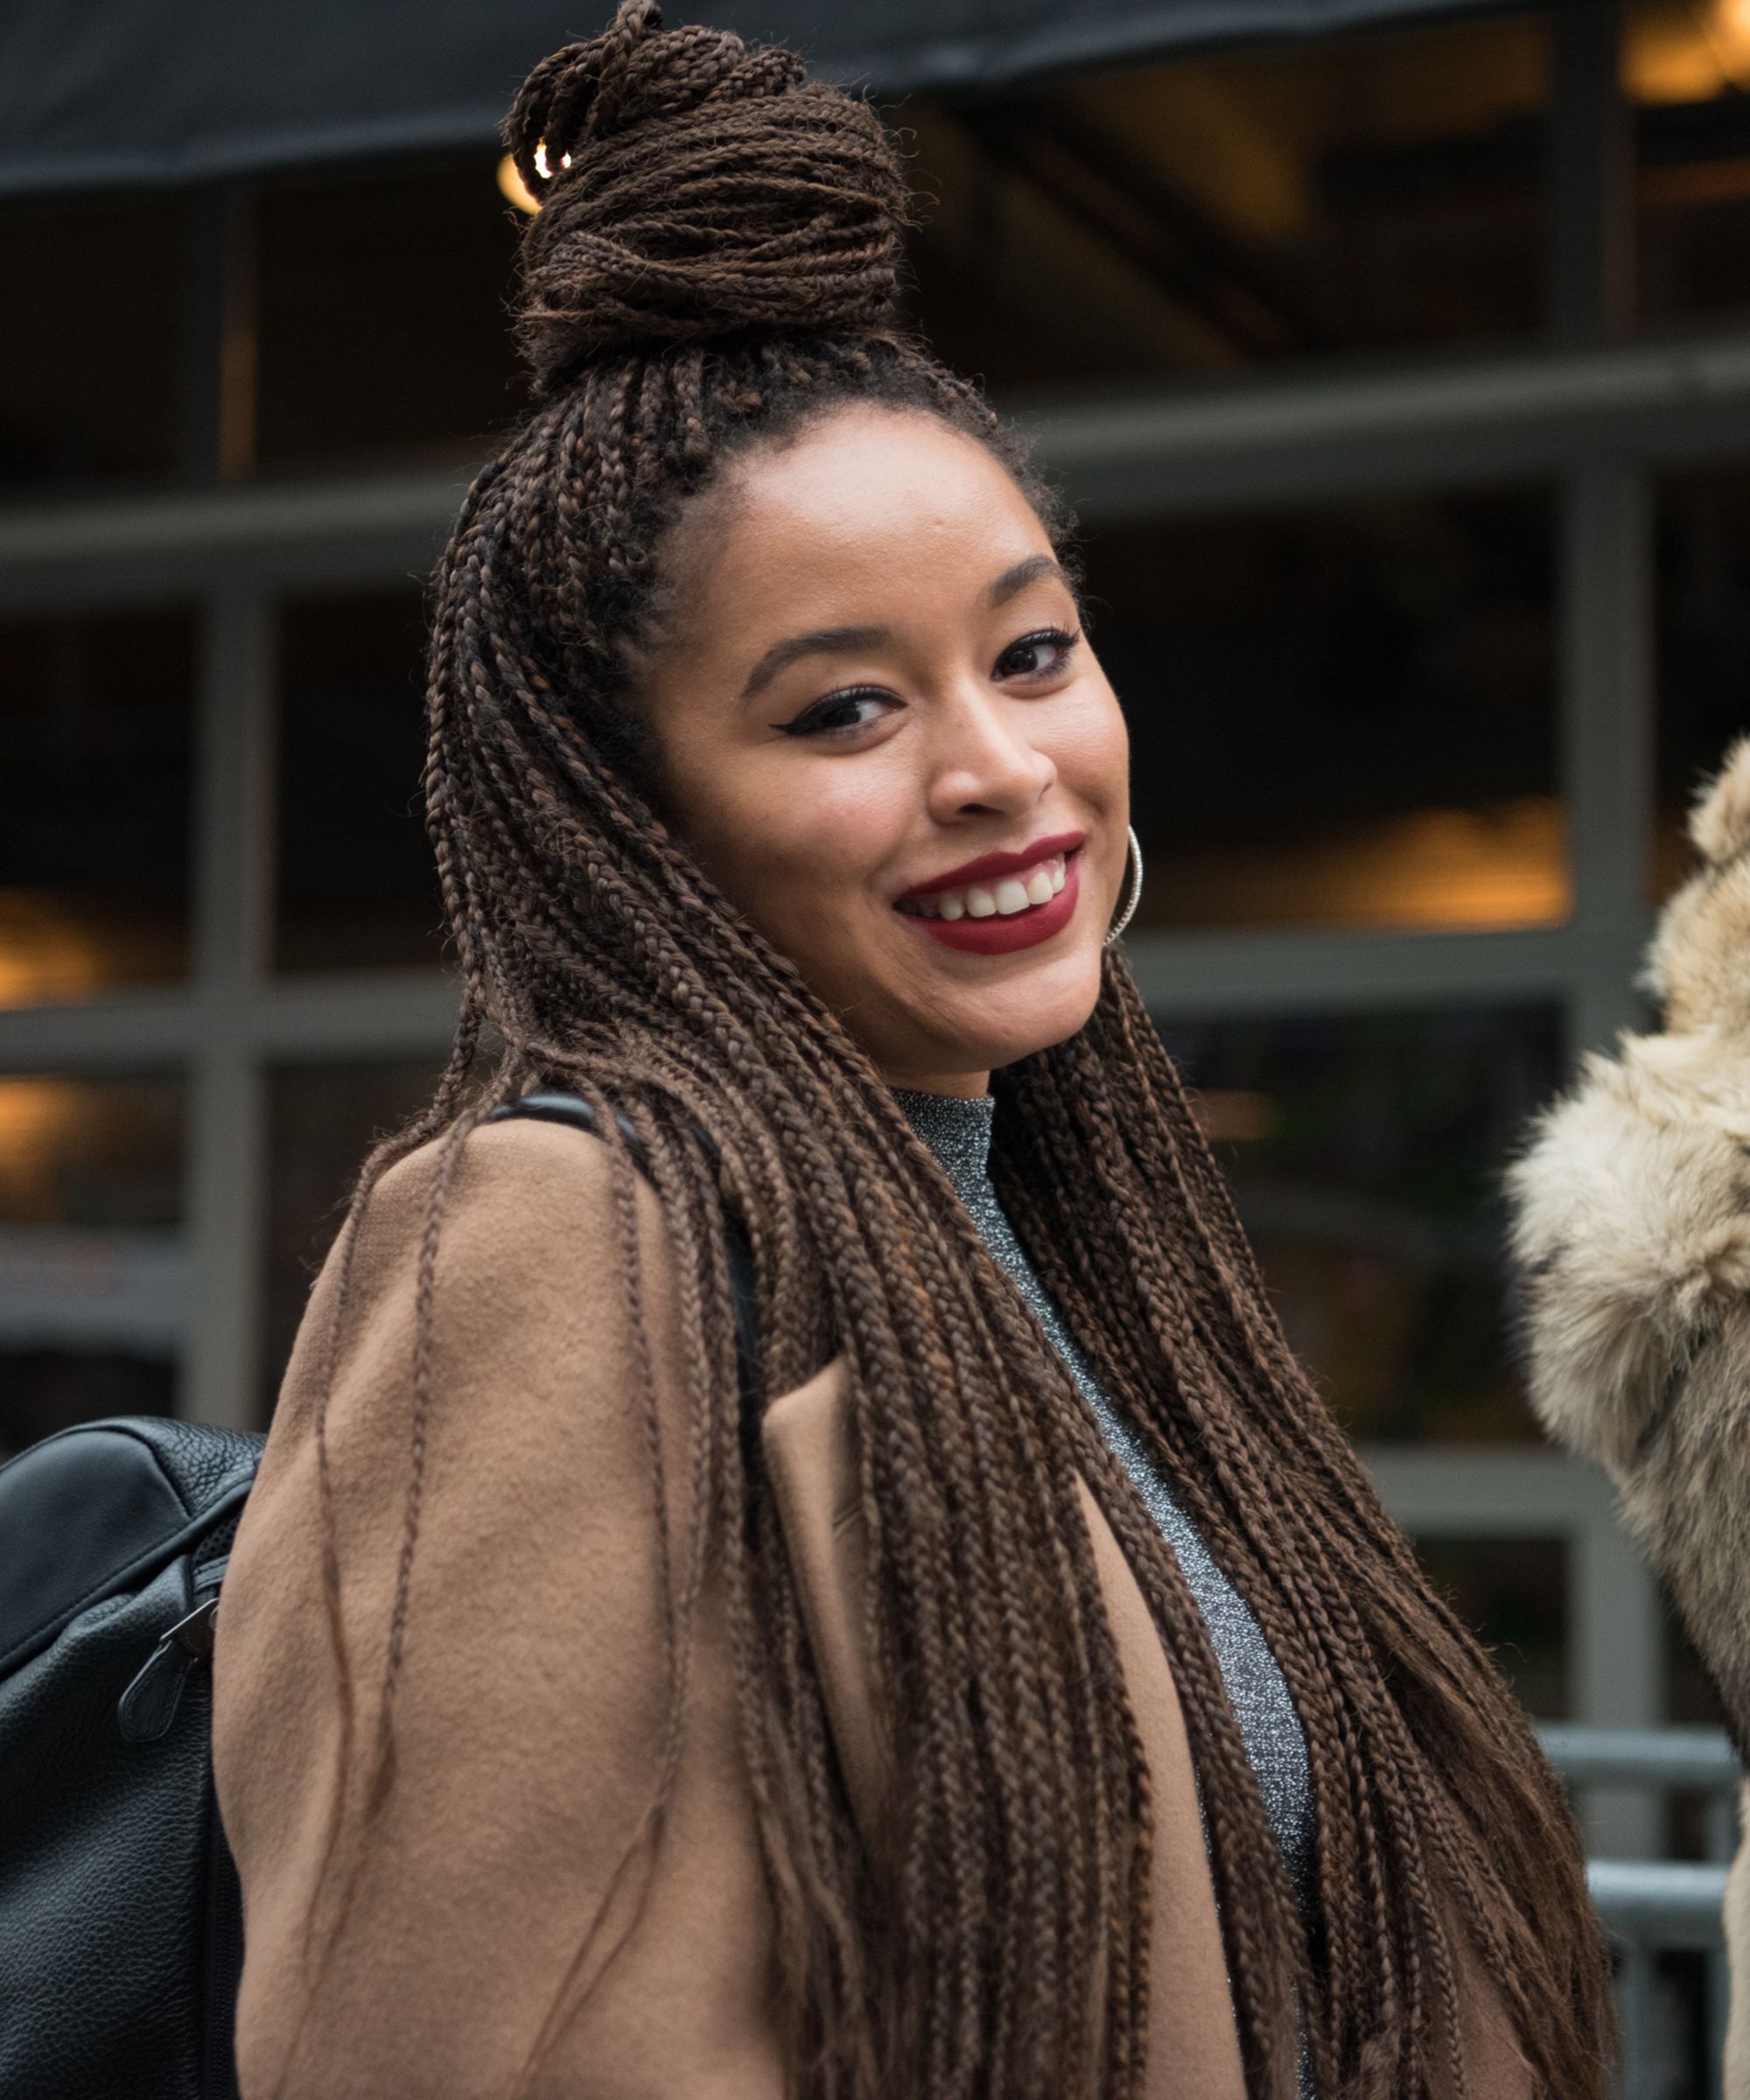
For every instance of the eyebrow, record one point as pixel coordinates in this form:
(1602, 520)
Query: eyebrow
(824, 641)
(842, 641)
(1015, 580)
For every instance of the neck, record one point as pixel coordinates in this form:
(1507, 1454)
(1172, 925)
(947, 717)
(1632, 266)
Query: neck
(961, 1086)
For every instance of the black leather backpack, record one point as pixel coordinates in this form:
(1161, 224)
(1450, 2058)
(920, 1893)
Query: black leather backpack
(120, 1929)
(121, 1922)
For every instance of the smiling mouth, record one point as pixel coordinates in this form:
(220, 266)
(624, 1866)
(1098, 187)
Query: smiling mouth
(999, 932)
(1008, 897)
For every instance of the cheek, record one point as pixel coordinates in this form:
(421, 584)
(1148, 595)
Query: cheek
(1092, 749)
(801, 857)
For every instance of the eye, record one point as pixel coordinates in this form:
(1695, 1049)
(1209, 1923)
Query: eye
(835, 714)
(1041, 655)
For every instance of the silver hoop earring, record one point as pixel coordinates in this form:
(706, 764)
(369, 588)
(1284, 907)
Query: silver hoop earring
(1135, 861)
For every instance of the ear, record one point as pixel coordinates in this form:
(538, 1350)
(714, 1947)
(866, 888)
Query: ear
(1719, 823)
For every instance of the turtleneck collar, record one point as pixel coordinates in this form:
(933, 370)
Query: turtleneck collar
(957, 1130)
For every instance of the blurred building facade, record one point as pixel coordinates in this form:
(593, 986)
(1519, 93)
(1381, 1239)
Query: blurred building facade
(1401, 380)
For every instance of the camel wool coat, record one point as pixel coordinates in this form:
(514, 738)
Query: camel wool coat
(529, 1722)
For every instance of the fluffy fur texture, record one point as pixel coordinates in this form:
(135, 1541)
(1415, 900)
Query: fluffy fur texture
(1633, 1233)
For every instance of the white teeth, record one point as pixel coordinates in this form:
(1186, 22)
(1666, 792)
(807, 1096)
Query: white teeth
(985, 900)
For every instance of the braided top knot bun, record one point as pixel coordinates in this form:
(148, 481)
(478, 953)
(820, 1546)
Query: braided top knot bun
(691, 187)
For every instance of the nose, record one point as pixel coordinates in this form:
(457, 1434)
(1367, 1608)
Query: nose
(982, 759)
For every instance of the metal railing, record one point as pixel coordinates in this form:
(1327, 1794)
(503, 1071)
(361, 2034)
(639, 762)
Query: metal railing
(1648, 1906)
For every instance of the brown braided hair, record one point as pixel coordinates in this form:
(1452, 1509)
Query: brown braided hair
(713, 269)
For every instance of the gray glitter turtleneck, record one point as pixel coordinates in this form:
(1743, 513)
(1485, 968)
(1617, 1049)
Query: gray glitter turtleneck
(958, 1132)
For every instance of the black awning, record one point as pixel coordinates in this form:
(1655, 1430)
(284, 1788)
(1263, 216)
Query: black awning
(99, 94)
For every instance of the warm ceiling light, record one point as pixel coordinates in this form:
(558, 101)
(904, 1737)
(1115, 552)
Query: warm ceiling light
(514, 186)
(1683, 50)
(1731, 40)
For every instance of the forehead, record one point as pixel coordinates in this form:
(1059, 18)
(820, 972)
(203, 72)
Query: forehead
(867, 501)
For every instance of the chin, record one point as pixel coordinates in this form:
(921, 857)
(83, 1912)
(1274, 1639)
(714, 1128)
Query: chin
(1033, 1012)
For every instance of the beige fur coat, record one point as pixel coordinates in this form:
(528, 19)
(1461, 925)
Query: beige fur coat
(1633, 1235)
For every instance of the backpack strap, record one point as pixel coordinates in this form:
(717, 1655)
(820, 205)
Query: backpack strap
(555, 1107)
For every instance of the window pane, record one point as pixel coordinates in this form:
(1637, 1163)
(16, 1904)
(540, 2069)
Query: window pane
(1693, 1822)
(1513, 1594)
(357, 884)
(1687, 66)
(95, 715)
(93, 1270)
(1239, 208)
(88, 381)
(1704, 641)
(1366, 1153)
(323, 1120)
(1343, 715)
(384, 327)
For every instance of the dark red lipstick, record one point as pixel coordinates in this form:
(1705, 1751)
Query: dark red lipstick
(1006, 932)
(991, 867)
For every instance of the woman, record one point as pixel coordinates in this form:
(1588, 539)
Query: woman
(1632, 1233)
(1042, 1704)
